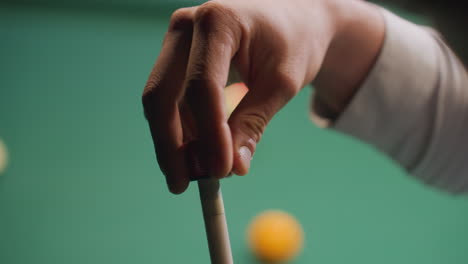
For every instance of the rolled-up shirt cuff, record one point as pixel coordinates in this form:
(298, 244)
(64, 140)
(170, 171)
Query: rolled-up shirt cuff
(401, 105)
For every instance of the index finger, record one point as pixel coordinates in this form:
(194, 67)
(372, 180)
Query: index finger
(215, 41)
(161, 97)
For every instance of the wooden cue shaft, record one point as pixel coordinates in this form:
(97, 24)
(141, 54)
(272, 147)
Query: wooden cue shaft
(215, 221)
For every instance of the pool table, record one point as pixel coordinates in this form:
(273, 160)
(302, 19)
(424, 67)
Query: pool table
(83, 186)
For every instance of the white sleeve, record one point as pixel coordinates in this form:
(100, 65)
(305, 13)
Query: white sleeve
(413, 106)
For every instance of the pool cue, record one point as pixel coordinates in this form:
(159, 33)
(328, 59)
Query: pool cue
(213, 210)
(215, 221)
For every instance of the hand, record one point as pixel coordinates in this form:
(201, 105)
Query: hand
(276, 46)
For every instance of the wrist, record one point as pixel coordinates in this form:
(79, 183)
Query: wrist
(353, 50)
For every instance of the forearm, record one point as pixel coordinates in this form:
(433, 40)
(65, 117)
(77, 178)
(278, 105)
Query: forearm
(413, 106)
(350, 56)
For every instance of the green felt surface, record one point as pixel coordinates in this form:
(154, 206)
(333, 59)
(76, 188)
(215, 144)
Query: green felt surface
(83, 186)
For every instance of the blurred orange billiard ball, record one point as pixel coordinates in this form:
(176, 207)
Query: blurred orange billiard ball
(275, 236)
(233, 94)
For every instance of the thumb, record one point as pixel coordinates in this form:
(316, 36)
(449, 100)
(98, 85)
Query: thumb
(249, 120)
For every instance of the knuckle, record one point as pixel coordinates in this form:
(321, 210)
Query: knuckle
(148, 100)
(152, 98)
(222, 20)
(149, 92)
(209, 12)
(198, 91)
(253, 124)
(288, 84)
(199, 79)
(214, 16)
(181, 19)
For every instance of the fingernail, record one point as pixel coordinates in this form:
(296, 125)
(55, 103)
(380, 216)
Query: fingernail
(246, 156)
